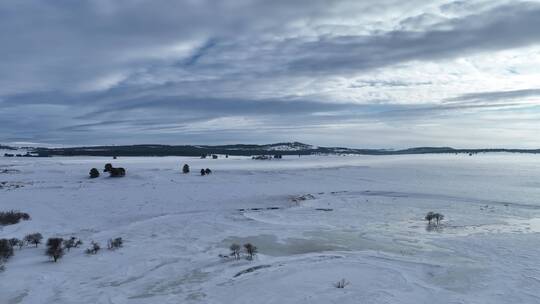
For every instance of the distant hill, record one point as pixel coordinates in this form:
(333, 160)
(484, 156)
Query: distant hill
(285, 148)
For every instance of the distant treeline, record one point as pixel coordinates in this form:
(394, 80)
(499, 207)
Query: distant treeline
(248, 150)
(7, 148)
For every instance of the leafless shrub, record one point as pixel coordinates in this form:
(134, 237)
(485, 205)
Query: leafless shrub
(115, 243)
(94, 248)
(341, 283)
(72, 242)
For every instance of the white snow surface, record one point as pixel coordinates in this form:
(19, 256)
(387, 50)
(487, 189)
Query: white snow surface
(372, 234)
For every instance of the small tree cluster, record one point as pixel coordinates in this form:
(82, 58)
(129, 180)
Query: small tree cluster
(33, 238)
(115, 243)
(54, 248)
(432, 216)
(206, 171)
(185, 169)
(94, 248)
(249, 250)
(72, 242)
(94, 173)
(12, 217)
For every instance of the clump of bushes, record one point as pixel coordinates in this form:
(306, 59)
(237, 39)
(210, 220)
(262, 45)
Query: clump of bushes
(115, 243)
(94, 173)
(206, 171)
(33, 238)
(12, 217)
(114, 172)
(185, 169)
(94, 248)
(6, 250)
(54, 248)
(432, 216)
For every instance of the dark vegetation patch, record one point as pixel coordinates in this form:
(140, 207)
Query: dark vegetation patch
(10, 185)
(6, 250)
(301, 198)
(12, 217)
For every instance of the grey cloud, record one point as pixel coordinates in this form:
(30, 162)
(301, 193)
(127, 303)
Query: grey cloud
(503, 27)
(99, 71)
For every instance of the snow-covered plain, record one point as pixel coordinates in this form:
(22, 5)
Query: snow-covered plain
(354, 217)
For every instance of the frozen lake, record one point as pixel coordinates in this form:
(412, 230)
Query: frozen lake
(315, 220)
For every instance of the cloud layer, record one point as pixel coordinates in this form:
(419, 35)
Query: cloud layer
(383, 73)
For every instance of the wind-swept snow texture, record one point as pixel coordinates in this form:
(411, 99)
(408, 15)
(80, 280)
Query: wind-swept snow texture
(315, 220)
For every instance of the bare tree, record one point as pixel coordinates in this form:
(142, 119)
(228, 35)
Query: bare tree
(54, 248)
(438, 217)
(235, 251)
(33, 238)
(251, 250)
(429, 217)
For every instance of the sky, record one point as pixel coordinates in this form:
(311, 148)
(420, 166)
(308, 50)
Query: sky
(363, 74)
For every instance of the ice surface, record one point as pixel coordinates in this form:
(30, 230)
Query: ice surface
(315, 220)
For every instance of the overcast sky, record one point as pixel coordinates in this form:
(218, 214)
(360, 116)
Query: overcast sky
(374, 74)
